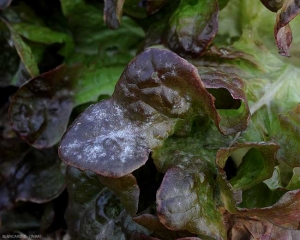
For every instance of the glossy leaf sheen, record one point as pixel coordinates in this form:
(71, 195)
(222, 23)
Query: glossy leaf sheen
(192, 27)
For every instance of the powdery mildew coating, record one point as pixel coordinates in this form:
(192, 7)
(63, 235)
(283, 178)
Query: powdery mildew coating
(103, 141)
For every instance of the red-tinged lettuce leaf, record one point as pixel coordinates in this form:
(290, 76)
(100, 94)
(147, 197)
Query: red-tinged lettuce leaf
(29, 175)
(240, 227)
(158, 230)
(41, 108)
(257, 164)
(231, 101)
(284, 213)
(185, 200)
(192, 26)
(126, 189)
(282, 30)
(114, 137)
(113, 12)
(94, 212)
(109, 137)
(272, 5)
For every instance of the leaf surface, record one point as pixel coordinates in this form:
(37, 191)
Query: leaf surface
(110, 131)
(185, 200)
(192, 26)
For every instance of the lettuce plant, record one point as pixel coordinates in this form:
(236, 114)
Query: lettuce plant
(198, 139)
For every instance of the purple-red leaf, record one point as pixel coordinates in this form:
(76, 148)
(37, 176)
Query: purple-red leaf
(156, 90)
(231, 101)
(282, 30)
(185, 200)
(40, 109)
(27, 174)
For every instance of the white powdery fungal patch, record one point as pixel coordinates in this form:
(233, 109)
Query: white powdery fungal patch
(118, 145)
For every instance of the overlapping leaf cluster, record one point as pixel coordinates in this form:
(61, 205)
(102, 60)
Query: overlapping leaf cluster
(199, 139)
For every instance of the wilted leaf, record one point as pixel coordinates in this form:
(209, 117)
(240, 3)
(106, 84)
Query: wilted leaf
(257, 164)
(113, 12)
(185, 200)
(192, 27)
(282, 30)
